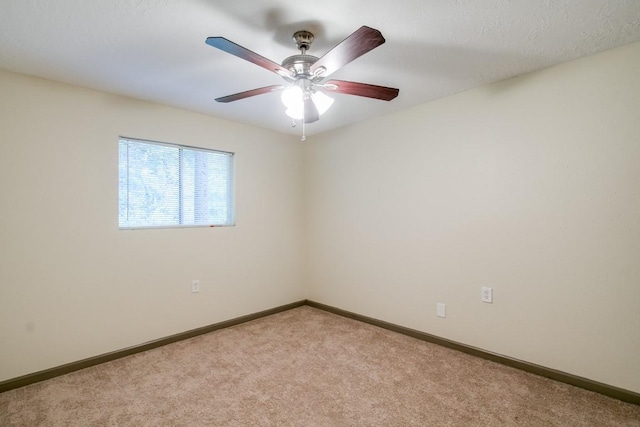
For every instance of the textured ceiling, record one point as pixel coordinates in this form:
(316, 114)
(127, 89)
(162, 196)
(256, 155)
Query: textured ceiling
(155, 49)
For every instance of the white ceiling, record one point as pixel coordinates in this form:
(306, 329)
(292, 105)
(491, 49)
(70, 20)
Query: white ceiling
(155, 49)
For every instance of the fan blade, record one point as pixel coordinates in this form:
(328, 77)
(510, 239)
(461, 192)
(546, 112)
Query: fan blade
(310, 111)
(248, 93)
(354, 46)
(361, 89)
(244, 53)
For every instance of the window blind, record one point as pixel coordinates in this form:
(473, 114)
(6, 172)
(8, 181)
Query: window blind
(166, 185)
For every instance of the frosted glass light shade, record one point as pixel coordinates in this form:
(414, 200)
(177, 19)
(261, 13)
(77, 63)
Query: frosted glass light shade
(293, 99)
(295, 114)
(322, 101)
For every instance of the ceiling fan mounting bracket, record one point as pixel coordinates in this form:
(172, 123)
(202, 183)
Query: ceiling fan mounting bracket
(303, 39)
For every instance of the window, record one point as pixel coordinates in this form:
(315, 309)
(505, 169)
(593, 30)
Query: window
(168, 185)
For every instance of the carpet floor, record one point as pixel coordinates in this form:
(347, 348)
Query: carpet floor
(307, 367)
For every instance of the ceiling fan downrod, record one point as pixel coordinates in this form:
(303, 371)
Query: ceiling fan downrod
(300, 65)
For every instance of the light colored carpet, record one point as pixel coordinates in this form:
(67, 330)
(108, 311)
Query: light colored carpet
(307, 367)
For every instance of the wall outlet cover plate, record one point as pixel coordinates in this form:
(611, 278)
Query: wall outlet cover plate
(486, 294)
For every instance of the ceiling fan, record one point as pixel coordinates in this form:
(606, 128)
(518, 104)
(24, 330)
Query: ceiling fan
(304, 92)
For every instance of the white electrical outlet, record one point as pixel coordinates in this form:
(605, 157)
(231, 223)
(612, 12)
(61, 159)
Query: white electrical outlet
(195, 286)
(486, 294)
(441, 310)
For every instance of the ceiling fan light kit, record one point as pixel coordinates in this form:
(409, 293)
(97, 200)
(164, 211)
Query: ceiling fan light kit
(304, 94)
(293, 98)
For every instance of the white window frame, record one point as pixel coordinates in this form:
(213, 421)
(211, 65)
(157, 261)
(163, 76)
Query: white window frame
(231, 199)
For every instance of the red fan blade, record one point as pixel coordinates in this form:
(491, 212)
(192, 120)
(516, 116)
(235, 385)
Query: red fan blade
(361, 89)
(354, 46)
(310, 111)
(248, 93)
(244, 53)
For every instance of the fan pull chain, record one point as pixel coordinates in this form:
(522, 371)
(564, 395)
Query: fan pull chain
(293, 124)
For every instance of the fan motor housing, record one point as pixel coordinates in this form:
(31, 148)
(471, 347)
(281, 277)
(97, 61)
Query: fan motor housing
(299, 64)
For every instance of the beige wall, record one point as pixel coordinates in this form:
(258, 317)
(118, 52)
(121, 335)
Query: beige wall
(530, 186)
(71, 284)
